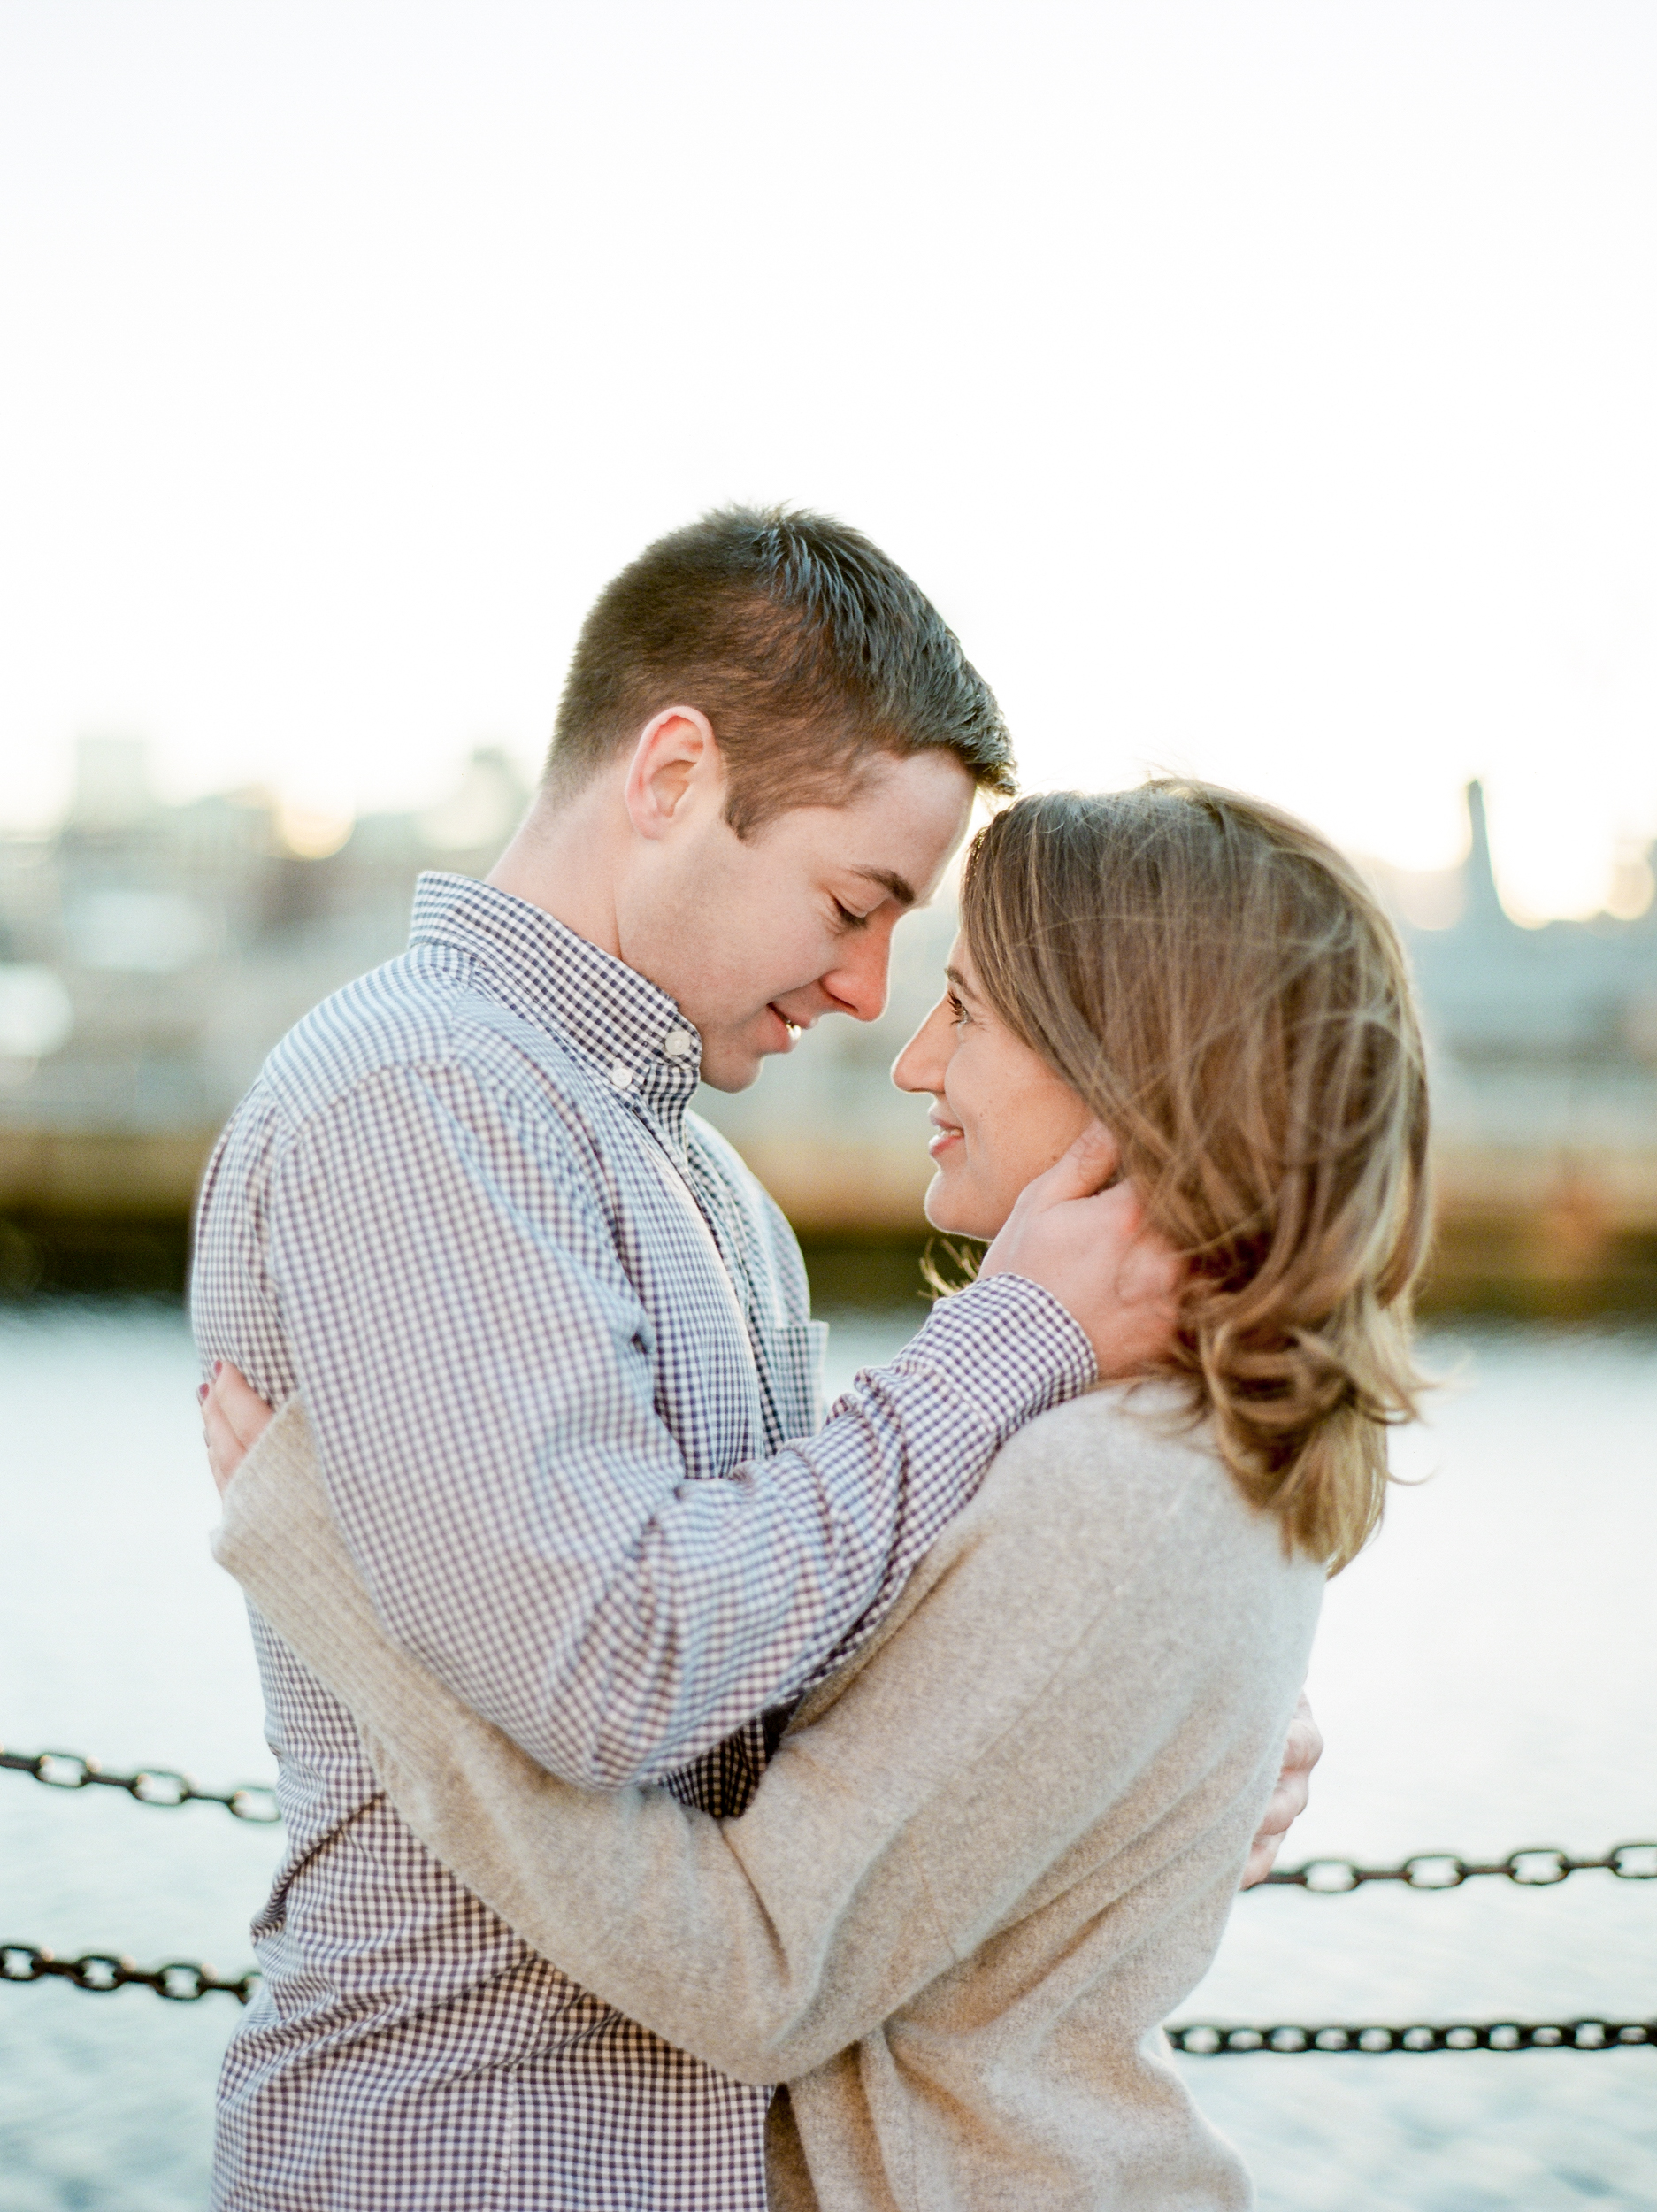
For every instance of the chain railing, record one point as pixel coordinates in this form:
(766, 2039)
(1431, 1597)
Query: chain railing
(182, 1981)
(1200, 2041)
(166, 1786)
(185, 1982)
(1544, 1866)
(1539, 1866)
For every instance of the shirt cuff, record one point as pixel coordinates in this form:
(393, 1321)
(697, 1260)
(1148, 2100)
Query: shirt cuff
(1010, 1345)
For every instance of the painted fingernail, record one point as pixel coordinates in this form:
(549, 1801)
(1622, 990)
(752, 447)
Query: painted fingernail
(200, 1393)
(219, 1367)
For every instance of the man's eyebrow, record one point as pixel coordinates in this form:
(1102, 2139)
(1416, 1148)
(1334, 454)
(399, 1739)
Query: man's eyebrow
(899, 886)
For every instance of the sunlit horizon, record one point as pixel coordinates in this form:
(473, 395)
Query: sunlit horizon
(1261, 394)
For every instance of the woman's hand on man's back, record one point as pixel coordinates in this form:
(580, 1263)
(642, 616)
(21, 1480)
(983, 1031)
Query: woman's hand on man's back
(1300, 1755)
(233, 1416)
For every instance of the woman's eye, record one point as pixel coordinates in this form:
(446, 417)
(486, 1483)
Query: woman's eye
(957, 1012)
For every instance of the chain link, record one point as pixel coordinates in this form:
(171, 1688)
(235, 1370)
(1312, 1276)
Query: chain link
(1540, 1867)
(182, 1981)
(253, 1801)
(1201, 2042)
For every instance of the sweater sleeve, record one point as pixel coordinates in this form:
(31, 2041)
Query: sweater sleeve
(889, 1838)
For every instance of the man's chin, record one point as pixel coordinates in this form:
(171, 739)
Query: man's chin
(730, 1067)
(733, 1062)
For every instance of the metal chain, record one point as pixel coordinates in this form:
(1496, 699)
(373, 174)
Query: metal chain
(253, 1801)
(181, 1980)
(1540, 1867)
(184, 1982)
(1201, 2042)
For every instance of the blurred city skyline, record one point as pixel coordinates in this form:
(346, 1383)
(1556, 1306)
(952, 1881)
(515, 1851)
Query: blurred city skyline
(1262, 394)
(478, 795)
(151, 955)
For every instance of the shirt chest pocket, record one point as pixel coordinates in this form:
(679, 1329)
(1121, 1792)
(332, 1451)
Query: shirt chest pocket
(790, 1358)
(779, 1362)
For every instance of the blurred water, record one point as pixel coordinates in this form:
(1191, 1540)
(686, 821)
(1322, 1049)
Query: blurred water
(1483, 1677)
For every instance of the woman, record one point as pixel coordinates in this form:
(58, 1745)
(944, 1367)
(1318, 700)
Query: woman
(997, 1849)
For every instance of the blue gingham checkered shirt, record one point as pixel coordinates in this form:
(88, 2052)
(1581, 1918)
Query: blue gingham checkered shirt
(555, 1342)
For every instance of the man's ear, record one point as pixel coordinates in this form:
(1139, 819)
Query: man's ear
(676, 762)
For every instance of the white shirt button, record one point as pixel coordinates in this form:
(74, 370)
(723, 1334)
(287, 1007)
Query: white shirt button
(677, 1043)
(620, 1076)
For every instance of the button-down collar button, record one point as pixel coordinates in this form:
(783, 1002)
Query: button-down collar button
(677, 1043)
(620, 1076)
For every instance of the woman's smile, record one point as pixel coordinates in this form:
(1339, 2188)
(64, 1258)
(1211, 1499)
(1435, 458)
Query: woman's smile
(949, 1134)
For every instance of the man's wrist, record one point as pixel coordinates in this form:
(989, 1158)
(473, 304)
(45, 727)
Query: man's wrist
(1010, 1345)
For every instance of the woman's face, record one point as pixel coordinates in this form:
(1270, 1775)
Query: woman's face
(1003, 1116)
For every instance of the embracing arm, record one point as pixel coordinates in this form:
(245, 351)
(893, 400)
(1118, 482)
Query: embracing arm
(481, 1373)
(889, 1838)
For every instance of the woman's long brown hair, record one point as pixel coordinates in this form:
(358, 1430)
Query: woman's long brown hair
(1221, 987)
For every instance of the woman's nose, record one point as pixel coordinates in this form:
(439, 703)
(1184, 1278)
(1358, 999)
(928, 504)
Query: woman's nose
(920, 1066)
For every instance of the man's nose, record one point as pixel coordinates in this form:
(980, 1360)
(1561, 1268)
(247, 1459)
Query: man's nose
(857, 982)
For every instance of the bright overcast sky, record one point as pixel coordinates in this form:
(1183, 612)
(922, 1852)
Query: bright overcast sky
(1264, 390)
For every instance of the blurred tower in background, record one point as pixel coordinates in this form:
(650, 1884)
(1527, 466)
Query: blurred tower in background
(1482, 907)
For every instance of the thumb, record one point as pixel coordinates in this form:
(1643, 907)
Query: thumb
(1088, 1166)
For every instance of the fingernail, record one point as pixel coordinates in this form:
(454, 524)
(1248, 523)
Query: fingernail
(219, 1367)
(200, 1393)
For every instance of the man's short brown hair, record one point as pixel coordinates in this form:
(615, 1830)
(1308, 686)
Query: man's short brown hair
(805, 647)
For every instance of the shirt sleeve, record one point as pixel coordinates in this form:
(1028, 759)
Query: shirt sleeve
(479, 1370)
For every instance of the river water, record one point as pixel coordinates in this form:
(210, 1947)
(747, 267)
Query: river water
(1483, 1677)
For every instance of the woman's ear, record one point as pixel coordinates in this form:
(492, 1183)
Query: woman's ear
(676, 758)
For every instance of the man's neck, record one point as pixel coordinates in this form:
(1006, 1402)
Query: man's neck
(563, 859)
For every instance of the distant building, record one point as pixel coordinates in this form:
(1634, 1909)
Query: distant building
(1544, 1097)
(150, 956)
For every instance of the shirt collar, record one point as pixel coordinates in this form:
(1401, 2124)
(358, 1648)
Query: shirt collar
(642, 1045)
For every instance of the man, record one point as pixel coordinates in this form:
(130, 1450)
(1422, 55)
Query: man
(555, 1344)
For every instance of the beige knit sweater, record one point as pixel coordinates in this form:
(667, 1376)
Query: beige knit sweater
(990, 1857)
